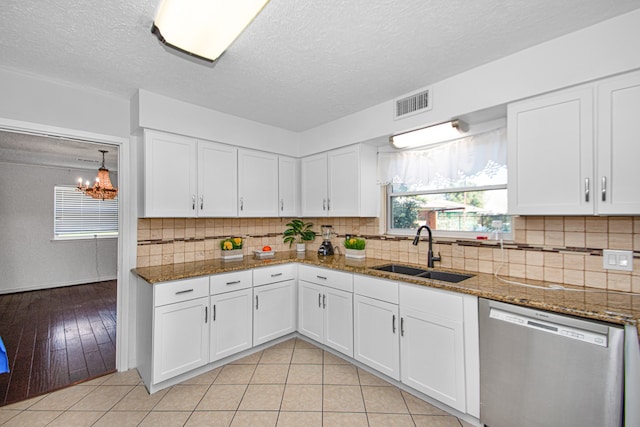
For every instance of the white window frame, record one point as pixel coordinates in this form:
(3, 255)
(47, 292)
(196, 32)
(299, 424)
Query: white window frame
(85, 203)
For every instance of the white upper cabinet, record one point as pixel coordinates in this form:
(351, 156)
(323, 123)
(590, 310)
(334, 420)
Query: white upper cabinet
(340, 182)
(618, 145)
(288, 186)
(169, 175)
(552, 141)
(257, 184)
(184, 177)
(550, 155)
(217, 180)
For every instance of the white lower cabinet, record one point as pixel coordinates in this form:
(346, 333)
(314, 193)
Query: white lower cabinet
(274, 311)
(432, 344)
(180, 328)
(231, 323)
(326, 310)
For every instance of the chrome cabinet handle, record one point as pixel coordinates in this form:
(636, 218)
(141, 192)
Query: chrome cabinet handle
(276, 275)
(319, 300)
(324, 301)
(206, 313)
(604, 188)
(281, 204)
(186, 291)
(193, 202)
(214, 312)
(321, 277)
(256, 302)
(324, 204)
(328, 204)
(586, 189)
(241, 203)
(201, 202)
(402, 326)
(393, 324)
(235, 282)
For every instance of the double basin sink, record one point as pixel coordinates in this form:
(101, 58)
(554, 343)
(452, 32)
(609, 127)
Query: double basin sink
(406, 270)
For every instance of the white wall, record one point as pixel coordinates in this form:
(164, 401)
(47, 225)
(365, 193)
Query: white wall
(601, 50)
(29, 258)
(153, 111)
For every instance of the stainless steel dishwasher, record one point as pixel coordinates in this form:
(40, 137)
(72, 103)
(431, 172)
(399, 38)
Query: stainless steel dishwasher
(546, 370)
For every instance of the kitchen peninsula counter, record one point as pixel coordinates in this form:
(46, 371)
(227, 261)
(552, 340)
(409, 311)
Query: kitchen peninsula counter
(591, 303)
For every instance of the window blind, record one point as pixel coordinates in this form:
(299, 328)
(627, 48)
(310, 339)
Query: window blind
(79, 216)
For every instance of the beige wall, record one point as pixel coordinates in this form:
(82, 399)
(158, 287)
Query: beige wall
(555, 249)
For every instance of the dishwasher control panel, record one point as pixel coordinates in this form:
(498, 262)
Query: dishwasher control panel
(549, 327)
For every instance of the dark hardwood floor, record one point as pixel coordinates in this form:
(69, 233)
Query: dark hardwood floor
(56, 338)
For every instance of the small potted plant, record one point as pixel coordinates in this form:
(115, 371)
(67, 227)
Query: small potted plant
(299, 232)
(354, 247)
(231, 248)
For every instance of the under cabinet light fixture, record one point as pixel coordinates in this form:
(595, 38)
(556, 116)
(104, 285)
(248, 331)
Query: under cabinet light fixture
(429, 135)
(203, 28)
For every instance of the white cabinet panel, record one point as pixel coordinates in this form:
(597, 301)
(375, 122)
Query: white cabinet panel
(313, 197)
(231, 323)
(288, 186)
(376, 335)
(338, 320)
(310, 313)
(274, 313)
(180, 338)
(217, 180)
(257, 184)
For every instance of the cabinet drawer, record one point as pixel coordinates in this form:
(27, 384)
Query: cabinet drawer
(180, 290)
(227, 282)
(380, 289)
(444, 304)
(332, 278)
(273, 274)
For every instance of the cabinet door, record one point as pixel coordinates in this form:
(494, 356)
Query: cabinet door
(180, 338)
(313, 188)
(169, 175)
(231, 323)
(310, 313)
(338, 320)
(274, 313)
(217, 180)
(618, 175)
(343, 182)
(375, 335)
(257, 184)
(288, 186)
(550, 155)
(432, 351)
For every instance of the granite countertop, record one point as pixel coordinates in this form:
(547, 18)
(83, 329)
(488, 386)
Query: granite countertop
(610, 307)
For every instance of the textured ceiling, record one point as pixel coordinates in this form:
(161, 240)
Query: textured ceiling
(300, 63)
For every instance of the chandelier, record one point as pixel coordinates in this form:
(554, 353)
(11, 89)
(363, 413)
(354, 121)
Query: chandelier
(102, 188)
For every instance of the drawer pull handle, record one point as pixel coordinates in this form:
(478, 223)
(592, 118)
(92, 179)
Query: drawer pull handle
(321, 277)
(186, 291)
(276, 275)
(235, 282)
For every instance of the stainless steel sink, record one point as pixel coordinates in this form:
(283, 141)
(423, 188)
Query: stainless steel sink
(444, 276)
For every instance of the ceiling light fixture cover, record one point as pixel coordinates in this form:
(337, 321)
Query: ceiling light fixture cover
(102, 189)
(204, 28)
(429, 135)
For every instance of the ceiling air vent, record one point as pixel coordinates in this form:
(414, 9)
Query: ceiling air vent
(413, 104)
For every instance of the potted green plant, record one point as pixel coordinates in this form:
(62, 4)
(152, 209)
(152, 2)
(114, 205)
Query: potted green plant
(299, 232)
(354, 247)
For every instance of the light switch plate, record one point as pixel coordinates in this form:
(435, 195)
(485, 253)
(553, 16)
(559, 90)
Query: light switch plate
(617, 260)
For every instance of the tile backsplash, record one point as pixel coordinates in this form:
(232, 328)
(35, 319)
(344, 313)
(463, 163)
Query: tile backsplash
(551, 248)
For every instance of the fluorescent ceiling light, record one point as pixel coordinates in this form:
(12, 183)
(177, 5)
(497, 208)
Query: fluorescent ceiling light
(204, 28)
(429, 135)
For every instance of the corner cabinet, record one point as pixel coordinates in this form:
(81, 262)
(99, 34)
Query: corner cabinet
(288, 186)
(184, 177)
(340, 183)
(552, 166)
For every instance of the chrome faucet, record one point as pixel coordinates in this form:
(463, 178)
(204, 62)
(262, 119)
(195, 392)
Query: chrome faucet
(430, 257)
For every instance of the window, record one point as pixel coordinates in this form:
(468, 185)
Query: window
(458, 188)
(77, 216)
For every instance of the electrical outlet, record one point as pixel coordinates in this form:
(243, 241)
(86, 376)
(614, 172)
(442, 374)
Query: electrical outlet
(617, 260)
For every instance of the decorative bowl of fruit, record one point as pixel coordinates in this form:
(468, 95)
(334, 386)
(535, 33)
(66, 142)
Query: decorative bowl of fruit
(266, 252)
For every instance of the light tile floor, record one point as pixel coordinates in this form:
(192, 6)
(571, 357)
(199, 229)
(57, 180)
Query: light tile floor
(293, 383)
